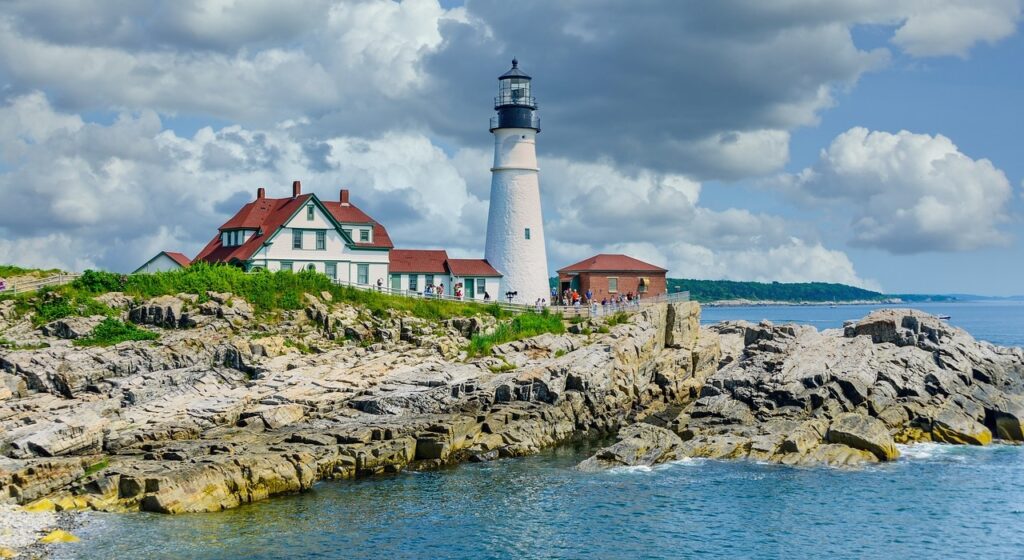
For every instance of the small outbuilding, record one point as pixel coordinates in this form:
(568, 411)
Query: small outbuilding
(612, 275)
(164, 261)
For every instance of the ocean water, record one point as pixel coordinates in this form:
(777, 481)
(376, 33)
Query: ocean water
(936, 501)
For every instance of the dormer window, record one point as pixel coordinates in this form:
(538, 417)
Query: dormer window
(364, 236)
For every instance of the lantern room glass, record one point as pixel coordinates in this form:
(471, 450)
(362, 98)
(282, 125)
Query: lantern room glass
(514, 91)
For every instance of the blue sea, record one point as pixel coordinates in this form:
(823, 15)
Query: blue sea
(936, 501)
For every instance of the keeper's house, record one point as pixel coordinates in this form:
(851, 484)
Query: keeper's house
(303, 232)
(611, 275)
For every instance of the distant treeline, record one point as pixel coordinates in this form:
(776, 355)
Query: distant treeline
(718, 290)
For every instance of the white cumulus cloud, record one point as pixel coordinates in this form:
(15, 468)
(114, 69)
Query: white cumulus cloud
(909, 193)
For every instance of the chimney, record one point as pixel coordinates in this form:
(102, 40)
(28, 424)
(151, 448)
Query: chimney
(296, 189)
(344, 197)
(261, 193)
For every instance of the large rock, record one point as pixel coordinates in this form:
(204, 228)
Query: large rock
(863, 432)
(72, 327)
(637, 445)
(163, 311)
(682, 324)
(951, 425)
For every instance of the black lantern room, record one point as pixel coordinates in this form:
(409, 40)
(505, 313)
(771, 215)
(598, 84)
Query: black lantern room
(516, 106)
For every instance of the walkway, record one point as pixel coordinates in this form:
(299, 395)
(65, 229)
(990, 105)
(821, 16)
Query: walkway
(565, 311)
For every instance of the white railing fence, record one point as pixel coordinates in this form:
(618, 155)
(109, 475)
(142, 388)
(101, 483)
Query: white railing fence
(30, 286)
(593, 310)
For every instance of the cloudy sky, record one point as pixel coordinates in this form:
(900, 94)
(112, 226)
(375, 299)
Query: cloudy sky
(872, 142)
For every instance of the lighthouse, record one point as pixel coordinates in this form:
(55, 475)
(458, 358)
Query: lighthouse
(515, 228)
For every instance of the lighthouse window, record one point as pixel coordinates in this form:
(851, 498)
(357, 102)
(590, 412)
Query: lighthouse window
(527, 233)
(309, 212)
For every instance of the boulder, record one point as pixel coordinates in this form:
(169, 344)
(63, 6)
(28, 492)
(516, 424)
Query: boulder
(1008, 419)
(637, 445)
(951, 425)
(116, 300)
(72, 327)
(863, 432)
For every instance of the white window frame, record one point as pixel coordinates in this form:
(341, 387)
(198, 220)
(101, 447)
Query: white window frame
(331, 270)
(363, 274)
(364, 236)
(321, 240)
(613, 280)
(297, 239)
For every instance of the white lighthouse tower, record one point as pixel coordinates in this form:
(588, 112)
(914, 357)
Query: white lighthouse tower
(515, 228)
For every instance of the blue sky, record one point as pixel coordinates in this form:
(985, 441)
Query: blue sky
(862, 141)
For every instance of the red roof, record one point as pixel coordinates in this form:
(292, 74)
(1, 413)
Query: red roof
(270, 214)
(611, 263)
(471, 267)
(418, 260)
(178, 258)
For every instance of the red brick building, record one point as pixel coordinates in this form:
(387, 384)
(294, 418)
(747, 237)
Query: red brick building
(609, 275)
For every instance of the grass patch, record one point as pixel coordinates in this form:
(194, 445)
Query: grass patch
(7, 270)
(112, 331)
(302, 347)
(603, 329)
(617, 319)
(97, 467)
(520, 327)
(502, 367)
(560, 352)
(268, 291)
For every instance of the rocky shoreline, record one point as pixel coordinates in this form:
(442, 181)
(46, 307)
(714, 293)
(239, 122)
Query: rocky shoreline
(226, 409)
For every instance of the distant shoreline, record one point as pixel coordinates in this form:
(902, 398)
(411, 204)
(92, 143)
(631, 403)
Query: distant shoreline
(772, 303)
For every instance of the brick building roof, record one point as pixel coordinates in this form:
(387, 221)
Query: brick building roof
(611, 263)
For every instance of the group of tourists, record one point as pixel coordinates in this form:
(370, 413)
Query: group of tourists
(572, 298)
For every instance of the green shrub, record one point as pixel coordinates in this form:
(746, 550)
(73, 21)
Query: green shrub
(520, 327)
(268, 291)
(111, 331)
(52, 305)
